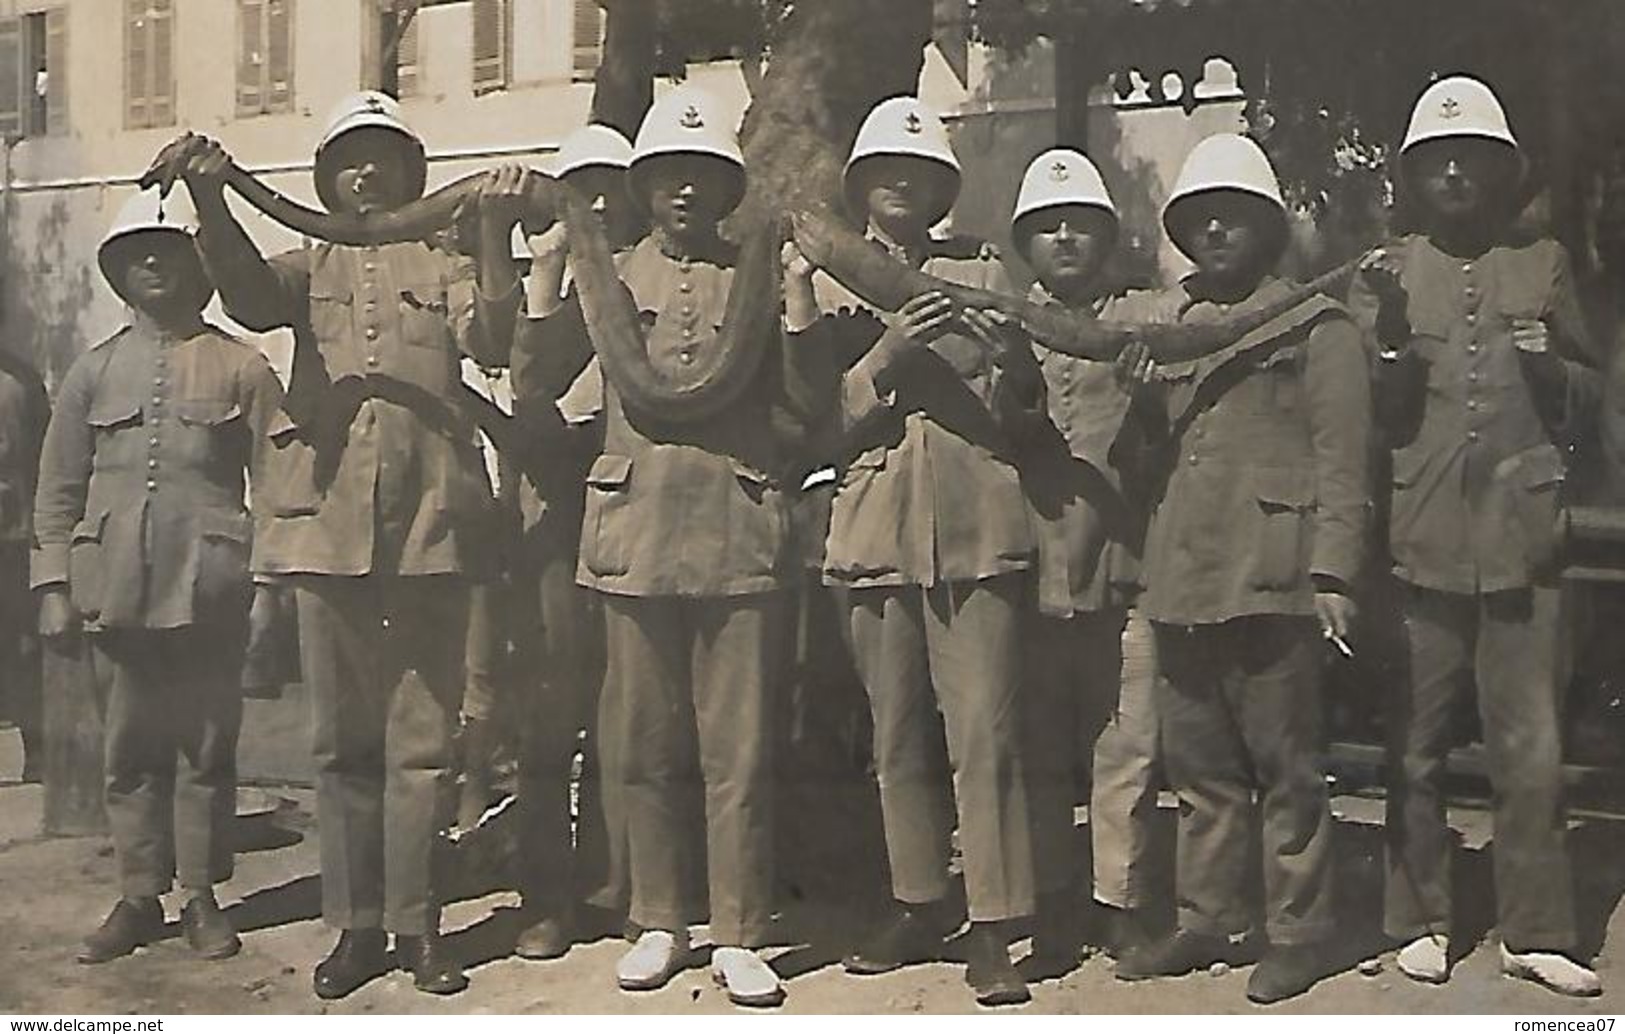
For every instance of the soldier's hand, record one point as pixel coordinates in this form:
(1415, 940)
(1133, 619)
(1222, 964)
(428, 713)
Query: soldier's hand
(1530, 336)
(813, 237)
(504, 195)
(797, 266)
(923, 317)
(997, 332)
(551, 243)
(207, 165)
(1337, 613)
(57, 616)
(1134, 366)
(1382, 270)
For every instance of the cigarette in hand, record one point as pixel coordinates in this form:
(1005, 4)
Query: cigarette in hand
(1342, 644)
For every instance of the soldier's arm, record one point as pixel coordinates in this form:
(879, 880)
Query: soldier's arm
(1398, 374)
(261, 396)
(1337, 387)
(65, 466)
(483, 326)
(1567, 390)
(259, 294)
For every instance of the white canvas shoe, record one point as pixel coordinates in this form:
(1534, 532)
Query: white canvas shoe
(657, 956)
(1552, 971)
(1426, 959)
(747, 978)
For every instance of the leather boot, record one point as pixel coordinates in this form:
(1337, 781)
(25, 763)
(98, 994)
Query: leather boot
(359, 956)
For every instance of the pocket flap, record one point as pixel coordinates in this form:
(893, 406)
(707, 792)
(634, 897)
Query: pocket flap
(1284, 489)
(1539, 467)
(207, 412)
(90, 529)
(610, 471)
(281, 425)
(749, 474)
(870, 459)
(216, 524)
(113, 412)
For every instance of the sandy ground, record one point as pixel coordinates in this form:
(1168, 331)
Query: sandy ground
(53, 891)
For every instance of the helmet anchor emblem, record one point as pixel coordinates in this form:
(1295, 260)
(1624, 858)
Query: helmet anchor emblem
(1059, 173)
(691, 118)
(1450, 108)
(912, 124)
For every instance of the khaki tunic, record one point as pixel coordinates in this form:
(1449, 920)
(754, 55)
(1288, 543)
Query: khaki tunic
(1477, 468)
(1268, 484)
(931, 493)
(374, 465)
(140, 507)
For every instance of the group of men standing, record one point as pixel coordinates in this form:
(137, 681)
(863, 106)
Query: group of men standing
(1006, 533)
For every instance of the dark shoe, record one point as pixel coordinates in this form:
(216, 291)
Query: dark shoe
(1126, 930)
(433, 970)
(131, 924)
(359, 956)
(546, 937)
(912, 936)
(207, 929)
(989, 972)
(1286, 971)
(1175, 955)
(1057, 941)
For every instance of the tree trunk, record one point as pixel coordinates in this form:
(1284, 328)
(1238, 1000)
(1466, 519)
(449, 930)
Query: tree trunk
(832, 61)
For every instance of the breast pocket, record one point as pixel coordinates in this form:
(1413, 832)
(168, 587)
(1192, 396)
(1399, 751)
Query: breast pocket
(332, 310)
(218, 425)
(424, 310)
(108, 416)
(606, 547)
(756, 520)
(1285, 500)
(1530, 485)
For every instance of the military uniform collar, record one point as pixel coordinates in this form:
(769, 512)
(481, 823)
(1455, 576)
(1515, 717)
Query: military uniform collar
(1044, 296)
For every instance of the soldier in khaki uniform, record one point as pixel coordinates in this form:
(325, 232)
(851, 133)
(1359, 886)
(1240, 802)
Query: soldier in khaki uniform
(1258, 534)
(929, 534)
(559, 405)
(374, 502)
(24, 410)
(1484, 383)
(1084, 468)
(683, 538)
(143, 540)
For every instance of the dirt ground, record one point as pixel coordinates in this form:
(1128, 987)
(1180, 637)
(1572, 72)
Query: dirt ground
(53, 891)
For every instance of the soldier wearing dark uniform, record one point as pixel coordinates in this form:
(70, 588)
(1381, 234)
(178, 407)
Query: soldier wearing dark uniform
(24, 409)
(683, 538)
(929, 536)
(1483, 383)
(374, 503)
(143, 539)
(1259, 532)
(1083, 466)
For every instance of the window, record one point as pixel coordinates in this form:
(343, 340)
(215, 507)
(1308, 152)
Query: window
(493, 44)
(406, 60)
(588, 33)
(34, 73)
(264, 57)
(149, 67)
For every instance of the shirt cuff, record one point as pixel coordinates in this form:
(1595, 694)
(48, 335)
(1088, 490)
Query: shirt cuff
(48, 565)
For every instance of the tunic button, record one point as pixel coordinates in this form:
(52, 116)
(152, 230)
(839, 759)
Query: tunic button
(372, 306)
(372, 360)
(157, 400)
(1472, 318)
(153, 441)
(1472, 404)
(685, 357)
(688, 332)
(1193, 461)
(685, 287)
(369, 266)
(1472, 436)
(1466, 267)
(1472, 349)
(372, 333)
(152, 486)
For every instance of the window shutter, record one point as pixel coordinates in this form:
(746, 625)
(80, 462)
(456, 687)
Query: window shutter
(11, 77)
(490, 45)
(406, 59)
(56, 61)
(250, 57)
(279, 48)
(588, 32)
(162, 104)
(136, 63)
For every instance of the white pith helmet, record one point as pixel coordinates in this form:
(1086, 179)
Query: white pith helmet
(905, 127)
(369, 109)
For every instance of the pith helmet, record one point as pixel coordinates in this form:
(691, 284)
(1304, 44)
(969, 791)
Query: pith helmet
(1062, 176)
(1458, 106)
(369, 109)
(903, 126)
(593, 145)
(1225, 162)
(688, 121)
(171, 219)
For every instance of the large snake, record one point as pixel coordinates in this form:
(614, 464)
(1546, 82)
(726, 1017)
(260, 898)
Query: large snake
(714, 381)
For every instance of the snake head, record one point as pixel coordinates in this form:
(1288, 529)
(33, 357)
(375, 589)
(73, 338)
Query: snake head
(168, 164)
